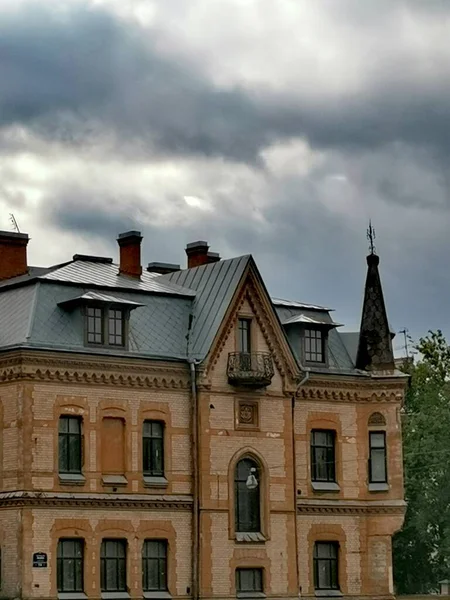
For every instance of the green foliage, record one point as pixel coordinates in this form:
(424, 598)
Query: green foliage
(422, 548)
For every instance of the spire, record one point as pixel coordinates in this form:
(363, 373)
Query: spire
(375, 341)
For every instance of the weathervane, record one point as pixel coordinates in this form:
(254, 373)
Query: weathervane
(371, 237)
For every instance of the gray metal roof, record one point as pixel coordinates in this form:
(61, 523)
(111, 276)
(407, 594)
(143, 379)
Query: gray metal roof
(309, 320)
(157, 328)
(294, 304)
(98, 297)
(101, 274)
(215, 285)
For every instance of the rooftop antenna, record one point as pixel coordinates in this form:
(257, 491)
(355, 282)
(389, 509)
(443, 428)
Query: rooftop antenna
(12, 218)
(371, 237)
(405, 332)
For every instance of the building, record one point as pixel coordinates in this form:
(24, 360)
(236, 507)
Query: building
(173, 433)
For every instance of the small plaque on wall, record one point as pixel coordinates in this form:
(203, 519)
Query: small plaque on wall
(247, 414)
(39, 560)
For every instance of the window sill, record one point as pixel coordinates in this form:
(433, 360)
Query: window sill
(72, 596)
(325, 486)
(378, 487)
(249, 537)
(114, 480)
(115, 595)
(328, 593)
(250, 595)
(71, 479)
(158, 595)
(155, 482)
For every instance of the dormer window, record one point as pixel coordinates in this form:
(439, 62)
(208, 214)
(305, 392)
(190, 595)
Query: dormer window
(106, 318)
(314, 345)
(105, 326)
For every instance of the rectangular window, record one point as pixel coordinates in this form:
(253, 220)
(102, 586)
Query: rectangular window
(326, 566)
(113, 446)
(323, 467)
(115, 327)
(314, 350)
(153, 448)
(377, 458)
(113, 566)
(249, 580)
(244, 335)
(94, 316)
(70, 565)
(70, 444)
(154, 566)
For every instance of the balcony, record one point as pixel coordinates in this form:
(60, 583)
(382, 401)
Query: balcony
(250, 368)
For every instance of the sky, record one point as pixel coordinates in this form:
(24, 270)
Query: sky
(271, 127)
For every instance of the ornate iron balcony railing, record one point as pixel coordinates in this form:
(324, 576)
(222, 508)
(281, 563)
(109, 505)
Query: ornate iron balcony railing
(250, 368)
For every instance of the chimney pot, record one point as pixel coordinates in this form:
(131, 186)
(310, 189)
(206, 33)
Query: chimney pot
(130, 253)
(13, 254)
(197, 254)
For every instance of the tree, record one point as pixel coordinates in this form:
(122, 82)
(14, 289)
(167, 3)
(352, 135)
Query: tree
(422, 548)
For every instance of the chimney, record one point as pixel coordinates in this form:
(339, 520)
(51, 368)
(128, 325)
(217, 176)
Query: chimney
(130, 253)
(13, 254)
(213, 257)
(162, 268)
(197, 253)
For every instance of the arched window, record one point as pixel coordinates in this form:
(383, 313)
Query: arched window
(247, 496)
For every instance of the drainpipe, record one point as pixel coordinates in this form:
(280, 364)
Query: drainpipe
(294, 466)
(195, 473)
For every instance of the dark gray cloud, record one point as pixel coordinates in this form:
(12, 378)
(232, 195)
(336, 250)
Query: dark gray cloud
(77, 79)
(83, 74)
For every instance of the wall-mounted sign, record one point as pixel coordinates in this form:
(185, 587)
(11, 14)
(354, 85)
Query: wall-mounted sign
(39, 560)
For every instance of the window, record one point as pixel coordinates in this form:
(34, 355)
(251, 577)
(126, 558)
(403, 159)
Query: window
(314, 346)
(323, 466)
(70, 565)
(153, 448)
(326, 566)
(94, 325)
(70, 444)
(249, 580)
(377, 458)
(244, 335)
(113, 566)
(115, 327)
(247, 501)
(105, 326)
(154, 566)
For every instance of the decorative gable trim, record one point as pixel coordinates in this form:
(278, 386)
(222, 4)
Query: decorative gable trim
(251, 291)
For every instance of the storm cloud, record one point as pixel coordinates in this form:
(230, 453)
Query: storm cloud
(276, 128)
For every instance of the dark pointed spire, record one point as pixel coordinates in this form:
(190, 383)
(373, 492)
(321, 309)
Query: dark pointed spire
(375, 340)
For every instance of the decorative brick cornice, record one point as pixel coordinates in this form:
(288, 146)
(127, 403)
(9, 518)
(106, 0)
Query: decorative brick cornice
(30, 366)
(364, 392)
(324, 508)
(116, 501)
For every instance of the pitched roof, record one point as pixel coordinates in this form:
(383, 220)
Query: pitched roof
(215, 285)
(106, 275)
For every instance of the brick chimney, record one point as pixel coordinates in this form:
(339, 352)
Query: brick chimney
(198, 254)
(13, 254)
(130, 253)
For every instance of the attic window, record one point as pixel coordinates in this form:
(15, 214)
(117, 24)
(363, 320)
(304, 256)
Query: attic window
(105, 326)
(314, 341)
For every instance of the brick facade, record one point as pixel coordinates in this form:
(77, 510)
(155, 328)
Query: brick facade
(38, 507)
